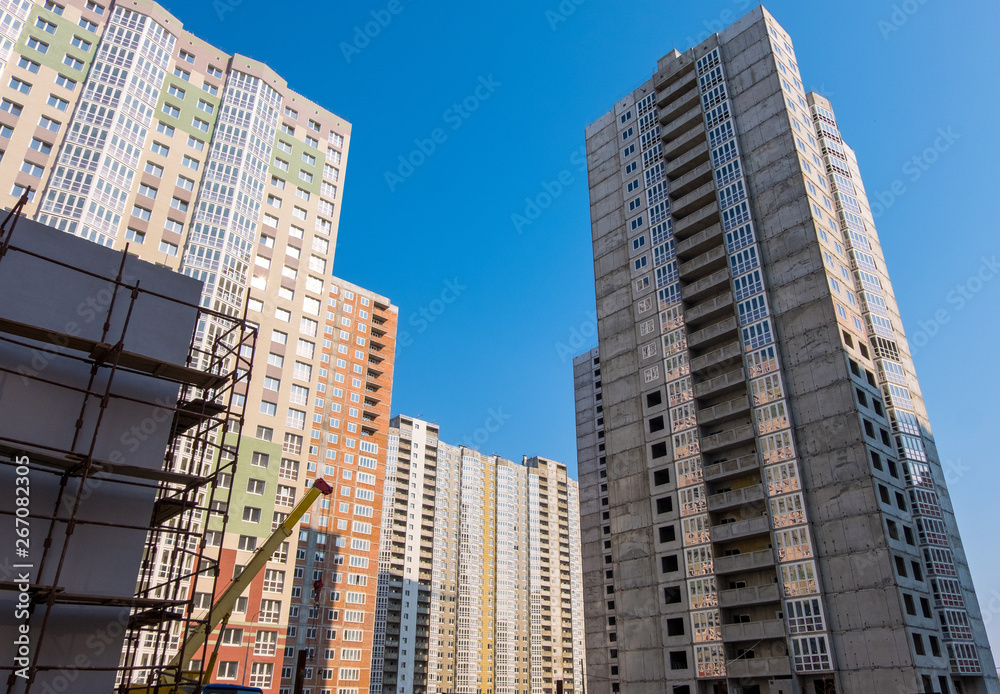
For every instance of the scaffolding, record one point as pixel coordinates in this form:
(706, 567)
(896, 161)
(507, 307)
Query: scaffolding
(191, 496)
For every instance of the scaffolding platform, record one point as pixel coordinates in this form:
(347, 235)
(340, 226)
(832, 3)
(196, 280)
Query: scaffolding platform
(117, 367)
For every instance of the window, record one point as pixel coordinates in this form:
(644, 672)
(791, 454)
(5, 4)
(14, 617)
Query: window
(94, 7)
(49, 124)
(72, 62)
(18, 191)
(29, 65)
(183, 74)
(168, 248)
(184, 183)
(37, 45)
(191, 163)
(148, 191)
(81, 44)
(154, 169)
(88, 25)
(251, 514)
(45, 25)
(167, 130)
(200, 125)
(133, 235)
(56, 102)
(214, 71)
(19, 85)
(160, 149)
(141, 213)
(268, 408)
(32, 169)
(248, 543)
(10, 107)
(292, 444)
(179, 204)
(174, 90)
(228, 669)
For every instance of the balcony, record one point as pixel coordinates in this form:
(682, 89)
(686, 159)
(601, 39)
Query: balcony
(727, 382)
(673, 86)
(687, 141)
(723, 356)
(699, 243)
(724, 410)
(715, 333)
(682, 122)
(740, 529)
(706, 286)
(758, 667)
(754, 631)
(695, 222)
(706, 263)
(700, 197)
(679, 68)
(736, 497)
(737, 563)
(680, 165)
(730, 468)
(679, 101)
(727, 439)
(695, 178)
(756, 595)
(711, 310)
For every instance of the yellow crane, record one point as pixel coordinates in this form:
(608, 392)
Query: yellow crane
(222, 608)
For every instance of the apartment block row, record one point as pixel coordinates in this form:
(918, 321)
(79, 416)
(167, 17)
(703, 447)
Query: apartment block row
(479, 575)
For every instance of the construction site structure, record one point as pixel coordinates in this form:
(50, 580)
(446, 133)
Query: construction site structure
(118, 424)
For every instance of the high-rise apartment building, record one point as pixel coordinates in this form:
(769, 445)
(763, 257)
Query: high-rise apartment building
(479, 575)
(131, 131)
(333, 592)
(764, 509)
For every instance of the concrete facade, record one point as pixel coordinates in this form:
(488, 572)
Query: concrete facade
(765, 510)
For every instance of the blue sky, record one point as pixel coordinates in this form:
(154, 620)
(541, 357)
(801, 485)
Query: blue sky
(497, 96)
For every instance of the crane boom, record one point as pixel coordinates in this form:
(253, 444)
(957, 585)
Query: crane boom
(223, 607)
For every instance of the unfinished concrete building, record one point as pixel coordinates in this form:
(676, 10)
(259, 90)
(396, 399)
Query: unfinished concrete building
(763, 507)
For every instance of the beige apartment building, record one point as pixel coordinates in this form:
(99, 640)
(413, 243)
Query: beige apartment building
(130, 131)
(763, 506)
(479, 576)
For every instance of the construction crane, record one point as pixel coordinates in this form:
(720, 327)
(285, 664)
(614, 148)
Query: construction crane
(222, 608)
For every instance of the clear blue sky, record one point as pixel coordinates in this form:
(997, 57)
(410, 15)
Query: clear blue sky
(499, 305)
